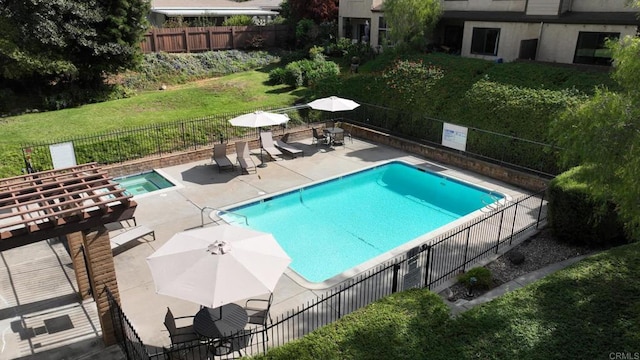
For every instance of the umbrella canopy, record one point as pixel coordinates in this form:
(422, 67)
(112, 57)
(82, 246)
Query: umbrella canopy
(333, 103)
(218, 265)
(258, 119)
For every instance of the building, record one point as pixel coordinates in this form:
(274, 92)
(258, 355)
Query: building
(562, 31)
(210, 12)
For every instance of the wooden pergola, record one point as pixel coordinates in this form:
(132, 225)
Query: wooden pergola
(48, 204)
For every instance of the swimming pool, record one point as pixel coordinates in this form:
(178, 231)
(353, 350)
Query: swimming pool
(333, 226)
(144, 183)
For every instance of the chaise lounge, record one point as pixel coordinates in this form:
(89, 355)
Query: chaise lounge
(266, 139)
(220, 158)
(244, 157)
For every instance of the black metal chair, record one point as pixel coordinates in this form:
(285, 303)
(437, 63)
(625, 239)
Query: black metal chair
(317, 137)
(179, 335)
(258, 310)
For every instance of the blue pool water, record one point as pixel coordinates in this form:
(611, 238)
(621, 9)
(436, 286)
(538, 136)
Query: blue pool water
(143, 183)
(336, 225)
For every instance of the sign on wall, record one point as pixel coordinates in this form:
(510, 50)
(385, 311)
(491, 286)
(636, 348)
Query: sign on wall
(62, 155)
(454, 136)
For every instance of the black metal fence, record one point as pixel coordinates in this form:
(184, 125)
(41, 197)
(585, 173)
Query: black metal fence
(427, 265)
(166, 138)
(504, 149)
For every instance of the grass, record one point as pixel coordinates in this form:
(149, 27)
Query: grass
(238, 92)
(586, 311)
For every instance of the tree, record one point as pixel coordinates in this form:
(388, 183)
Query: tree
(411, 21)
(604, 133)
(44, 42)
(320, 11)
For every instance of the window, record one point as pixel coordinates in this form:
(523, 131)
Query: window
(590, 48)
(485, 41)
(383, 32)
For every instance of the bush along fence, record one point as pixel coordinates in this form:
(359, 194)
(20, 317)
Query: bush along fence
(198, 39)
(161, 139)
(430, 265)
(508, 150)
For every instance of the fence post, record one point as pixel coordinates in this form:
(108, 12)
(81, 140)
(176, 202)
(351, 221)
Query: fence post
(233, 37)
(186, 39)
(427, 267)
(540, 208)
(499, 230)
(513, 225)
(154, 39)
(466, 250)
(396, 270)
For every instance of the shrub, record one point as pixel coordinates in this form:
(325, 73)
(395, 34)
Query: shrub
(482, 275)
(278, 76)
(238, 20)
(578, 215)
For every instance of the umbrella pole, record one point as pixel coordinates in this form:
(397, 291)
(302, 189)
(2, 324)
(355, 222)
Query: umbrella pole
(262, 163)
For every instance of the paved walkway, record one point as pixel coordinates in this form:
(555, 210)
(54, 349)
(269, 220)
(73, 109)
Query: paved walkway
(168, 212)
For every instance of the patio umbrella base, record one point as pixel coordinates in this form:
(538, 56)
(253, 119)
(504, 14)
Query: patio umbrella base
(262, 165)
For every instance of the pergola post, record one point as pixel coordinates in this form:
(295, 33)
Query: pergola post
(102, 272)
(76, 250)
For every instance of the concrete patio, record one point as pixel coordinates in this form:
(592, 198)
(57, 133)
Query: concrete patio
(37, 282)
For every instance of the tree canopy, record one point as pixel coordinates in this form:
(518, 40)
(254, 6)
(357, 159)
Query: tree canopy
(411, 21)
(44, 42)
(320, 11)
(604, 133)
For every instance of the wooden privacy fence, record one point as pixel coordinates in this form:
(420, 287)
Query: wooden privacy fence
(196, 39)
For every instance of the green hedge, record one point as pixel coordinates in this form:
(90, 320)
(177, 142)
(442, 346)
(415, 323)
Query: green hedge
(578, 216)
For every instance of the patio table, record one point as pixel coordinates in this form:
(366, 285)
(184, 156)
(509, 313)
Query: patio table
(220, 322)
(331, 132)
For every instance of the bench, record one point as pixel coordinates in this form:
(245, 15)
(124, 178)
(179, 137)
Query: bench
(130, 235)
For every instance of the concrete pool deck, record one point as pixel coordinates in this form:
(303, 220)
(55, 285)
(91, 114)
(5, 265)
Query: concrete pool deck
(172, 211)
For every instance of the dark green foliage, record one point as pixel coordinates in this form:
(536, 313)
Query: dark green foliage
(48, 47)
(306, 72)
(481, 274)
(578, 215)
(403, 323)
(581, 312)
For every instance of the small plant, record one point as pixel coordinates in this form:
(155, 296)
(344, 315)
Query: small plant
(482, 275)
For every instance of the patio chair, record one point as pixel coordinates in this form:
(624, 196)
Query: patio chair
(244, 157)
(179, 335)
(258, 310)
(289, 149)
(220, 158)
(266, 140)
(318, 137)
(236, 342)
(337, 139)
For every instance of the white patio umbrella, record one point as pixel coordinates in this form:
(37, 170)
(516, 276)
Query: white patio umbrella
(333, 104)
(218, 265)
(259, 119)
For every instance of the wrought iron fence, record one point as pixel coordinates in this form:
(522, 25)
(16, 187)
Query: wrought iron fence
(427, 265)
(126, 336)
(508, 150)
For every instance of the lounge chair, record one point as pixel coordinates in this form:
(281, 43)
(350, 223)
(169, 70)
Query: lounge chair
(244, 157)
(289, 149)
(220, 158)
(266, 139)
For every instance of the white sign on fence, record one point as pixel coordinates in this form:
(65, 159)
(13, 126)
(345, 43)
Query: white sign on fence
(454, 136)
(62, 155)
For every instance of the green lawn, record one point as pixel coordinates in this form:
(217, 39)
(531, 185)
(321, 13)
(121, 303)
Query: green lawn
(238, 92)
(587, 311)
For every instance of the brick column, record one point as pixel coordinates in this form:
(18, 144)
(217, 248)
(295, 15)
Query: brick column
(102, 273)
(75, 241)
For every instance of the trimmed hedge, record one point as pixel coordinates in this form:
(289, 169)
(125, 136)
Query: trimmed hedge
(576, 215)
